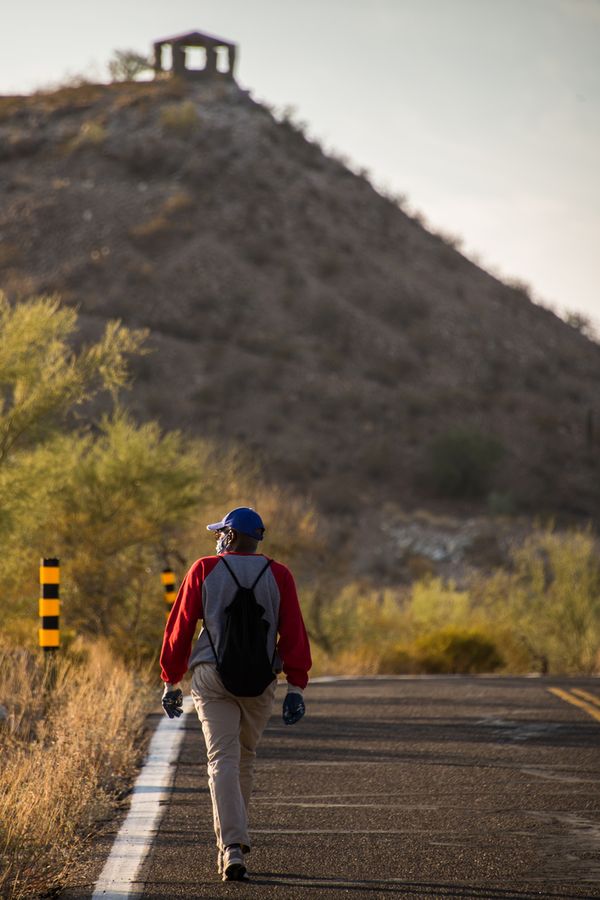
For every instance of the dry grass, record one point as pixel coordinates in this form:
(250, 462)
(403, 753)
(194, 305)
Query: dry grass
(11, 105)
(92, 133)
(69, 97)
(166, 219)
(181, 119)
(151, 228)
(67, 749)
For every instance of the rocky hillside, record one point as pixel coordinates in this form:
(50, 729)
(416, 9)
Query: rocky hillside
(292, 308)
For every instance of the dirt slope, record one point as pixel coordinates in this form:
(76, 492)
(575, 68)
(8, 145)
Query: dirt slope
(292, 308)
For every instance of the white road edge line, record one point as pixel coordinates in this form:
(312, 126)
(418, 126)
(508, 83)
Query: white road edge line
(134, 839)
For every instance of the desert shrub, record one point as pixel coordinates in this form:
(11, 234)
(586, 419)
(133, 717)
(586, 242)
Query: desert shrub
(521, 287)
(434, 629)
(19, 144)
(434, 603)
(462, 461)
(355, 626)
(92, 133)
(181, 119)
(147, 155)
(550, 600)
(583, 324)
(363, 660)
(457, 651)
(541, 613)
(455, 241)
(398, 659)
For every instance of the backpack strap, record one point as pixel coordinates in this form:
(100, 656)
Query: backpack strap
(231, 572)
(211, 643)
(261, 573)
(256, 580)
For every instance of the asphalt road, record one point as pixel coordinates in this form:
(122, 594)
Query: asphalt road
(430, 787)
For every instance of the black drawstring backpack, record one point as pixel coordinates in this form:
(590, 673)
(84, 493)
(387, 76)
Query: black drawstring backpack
(244, 664)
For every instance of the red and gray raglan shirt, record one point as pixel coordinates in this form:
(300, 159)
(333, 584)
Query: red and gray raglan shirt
(208, 588)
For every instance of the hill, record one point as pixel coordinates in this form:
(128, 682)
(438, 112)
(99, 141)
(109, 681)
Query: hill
(292, 308)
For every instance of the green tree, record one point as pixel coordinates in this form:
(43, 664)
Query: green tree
(42, 378)
(130, 491)
(111, 498)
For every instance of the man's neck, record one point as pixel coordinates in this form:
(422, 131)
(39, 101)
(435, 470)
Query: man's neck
(241, 546)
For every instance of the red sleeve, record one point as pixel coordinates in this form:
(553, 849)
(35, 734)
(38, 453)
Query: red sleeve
(293, 646)
(181, 626)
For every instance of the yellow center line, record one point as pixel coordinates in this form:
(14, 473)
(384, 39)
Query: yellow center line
(569, 698)
(587, 696)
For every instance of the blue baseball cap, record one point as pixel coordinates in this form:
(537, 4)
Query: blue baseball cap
(243, 519)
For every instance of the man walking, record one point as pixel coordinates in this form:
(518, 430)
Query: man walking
(252, 629)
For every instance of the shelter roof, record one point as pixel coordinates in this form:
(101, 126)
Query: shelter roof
(196, 36)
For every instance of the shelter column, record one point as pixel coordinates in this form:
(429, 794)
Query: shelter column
(178, 60)
(158, 58)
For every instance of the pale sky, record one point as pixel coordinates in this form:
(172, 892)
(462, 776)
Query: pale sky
(486, 113)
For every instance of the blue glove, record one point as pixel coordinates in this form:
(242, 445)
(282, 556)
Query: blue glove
(172, 702)
(293, 708)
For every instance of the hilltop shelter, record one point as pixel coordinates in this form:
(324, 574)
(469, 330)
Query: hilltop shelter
(195, 56)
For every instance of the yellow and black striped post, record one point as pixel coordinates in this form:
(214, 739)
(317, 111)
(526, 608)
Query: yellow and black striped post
(49, 633)
(167, 576)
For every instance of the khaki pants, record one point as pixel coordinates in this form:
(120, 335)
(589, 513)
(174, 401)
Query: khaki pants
(232, 727)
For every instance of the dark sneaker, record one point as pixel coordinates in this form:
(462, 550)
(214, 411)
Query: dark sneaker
(233, 865)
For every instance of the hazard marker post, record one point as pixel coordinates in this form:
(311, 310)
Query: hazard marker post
(167, 576)
(49, 605)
